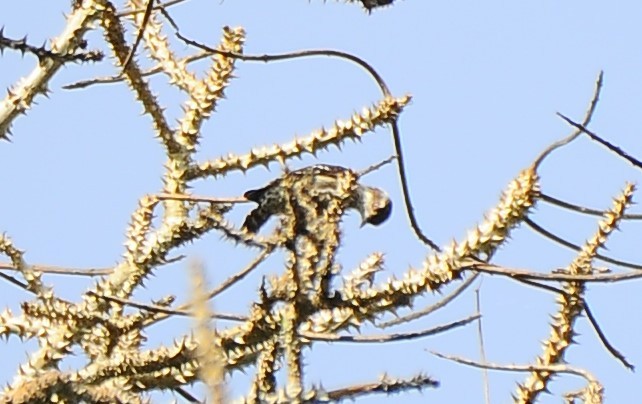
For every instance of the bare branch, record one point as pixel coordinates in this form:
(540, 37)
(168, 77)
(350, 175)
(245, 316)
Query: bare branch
(389, 337)
(416, 314)
(576, 247)
(586, 121)
(615, 149)
(555, 277)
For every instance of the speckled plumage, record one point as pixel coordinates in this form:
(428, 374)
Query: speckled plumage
(319, 182)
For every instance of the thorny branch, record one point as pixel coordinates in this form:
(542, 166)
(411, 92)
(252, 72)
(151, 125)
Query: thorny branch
(42, 53)
(303, 305)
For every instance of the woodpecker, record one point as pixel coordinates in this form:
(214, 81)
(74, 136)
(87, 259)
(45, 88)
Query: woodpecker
(318, 182)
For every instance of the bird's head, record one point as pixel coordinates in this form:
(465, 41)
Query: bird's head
(374, 205)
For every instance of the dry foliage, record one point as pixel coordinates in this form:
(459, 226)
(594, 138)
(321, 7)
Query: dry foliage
(294, 309)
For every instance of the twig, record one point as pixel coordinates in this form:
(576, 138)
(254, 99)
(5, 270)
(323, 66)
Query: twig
(153, 308)
(143, 10)
(615, 149)
(292, 55)
(141, 31)
(49, 269)
(57, 270)
(543, 286)
(186, 395)
(241, 274)
(375, 167)
(384, 386)
(200, 198)
(406, 190)
(16, 282)
(118, 78)
(520, 368)
(586, 121)
(433, 307)
(617, 354)
(574, 247)
(482, 350)
(184, 309)
(585, 210)
(556, 277)
(316, 336)
(42, 53)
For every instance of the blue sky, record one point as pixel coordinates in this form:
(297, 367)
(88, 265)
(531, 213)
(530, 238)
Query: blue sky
(486, 79)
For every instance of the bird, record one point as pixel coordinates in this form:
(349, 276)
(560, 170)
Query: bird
(319, 182)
